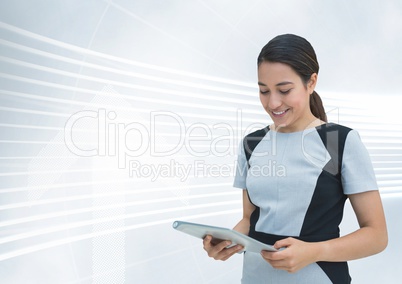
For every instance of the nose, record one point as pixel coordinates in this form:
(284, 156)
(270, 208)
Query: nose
(274, 101)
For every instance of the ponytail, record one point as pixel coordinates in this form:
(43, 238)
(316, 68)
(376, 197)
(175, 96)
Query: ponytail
(317, 107)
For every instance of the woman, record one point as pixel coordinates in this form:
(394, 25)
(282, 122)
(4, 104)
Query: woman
(323, 164)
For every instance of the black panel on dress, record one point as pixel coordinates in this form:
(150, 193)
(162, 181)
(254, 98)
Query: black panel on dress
(251, 141)
(323, 219)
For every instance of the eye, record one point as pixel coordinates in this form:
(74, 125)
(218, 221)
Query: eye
(285, 92)
(264, 92)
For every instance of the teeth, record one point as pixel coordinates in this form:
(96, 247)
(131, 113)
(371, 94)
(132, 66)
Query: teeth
(279, 113)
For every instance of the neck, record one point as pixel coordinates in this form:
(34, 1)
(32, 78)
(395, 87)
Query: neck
(307, 123)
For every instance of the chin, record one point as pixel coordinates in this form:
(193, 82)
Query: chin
(280, 125)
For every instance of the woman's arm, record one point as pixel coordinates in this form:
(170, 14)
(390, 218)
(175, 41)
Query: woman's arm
(370, 239)
(219, 251)
(244, 225)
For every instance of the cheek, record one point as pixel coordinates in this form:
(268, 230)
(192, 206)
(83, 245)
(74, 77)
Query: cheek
(264, 101)
(299, 100)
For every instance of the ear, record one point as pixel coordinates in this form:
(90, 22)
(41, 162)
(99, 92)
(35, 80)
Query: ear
(312, 83)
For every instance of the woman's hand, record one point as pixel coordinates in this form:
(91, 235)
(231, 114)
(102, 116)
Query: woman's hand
(220, 251)
(295, 255)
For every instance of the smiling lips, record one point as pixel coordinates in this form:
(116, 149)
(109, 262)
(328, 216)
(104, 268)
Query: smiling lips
(279, 113)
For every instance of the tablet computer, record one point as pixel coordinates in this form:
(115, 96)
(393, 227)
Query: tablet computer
(220, 234)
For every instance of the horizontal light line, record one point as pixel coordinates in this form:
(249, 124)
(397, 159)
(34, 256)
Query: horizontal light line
(385, 155)
(102, 80)
(206, 144)
(72, 102)
(389, 183)
(396, 181)
(101, 208)
(373, 155)
(370, 135)
(174, 145)
(397, 170)
(226, 118)
(210, 126)
(78, 211)
(389, 180)
(223, 123)
(47, 245)
(124, 73)
(130, 97)
(395, 166)
(99, 275)
(388, 148)
(391, 192)
(28, 173)
(392, 137)
(392, 195)
(91, 222)
(30, 126)
(232, 131)
(386, 141)
(75, 157)
(114, 181)
(61, 129)
(120, 60)
(385, 170)
(193, 145)
(38, 142)
(146, 111)
(91, 196)
(47, 69)
(30, 111)
(390, 145)
(37, 157)
(379, 167)
(385, 178)
(387, 145)
(126, 85)
(386, 162)
(373, 124)
(75, 89)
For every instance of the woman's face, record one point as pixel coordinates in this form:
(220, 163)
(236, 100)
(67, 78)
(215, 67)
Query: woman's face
(284, 96)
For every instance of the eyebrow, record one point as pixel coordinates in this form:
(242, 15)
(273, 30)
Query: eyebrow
(279, 84)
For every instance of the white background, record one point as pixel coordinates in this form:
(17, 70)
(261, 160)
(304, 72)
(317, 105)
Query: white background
(105, 104)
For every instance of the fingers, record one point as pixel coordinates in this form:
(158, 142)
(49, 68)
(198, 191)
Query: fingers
(220, 250)
(277, 255)
(283, 243)
(291, 257)
(272, 256)
(278, 260)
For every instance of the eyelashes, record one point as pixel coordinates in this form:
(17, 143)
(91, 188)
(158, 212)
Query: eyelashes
(283, 92)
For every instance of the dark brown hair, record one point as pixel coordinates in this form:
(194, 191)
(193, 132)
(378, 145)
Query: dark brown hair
(298, 53)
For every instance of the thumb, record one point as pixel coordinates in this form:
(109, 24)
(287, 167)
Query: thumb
(283, 243)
